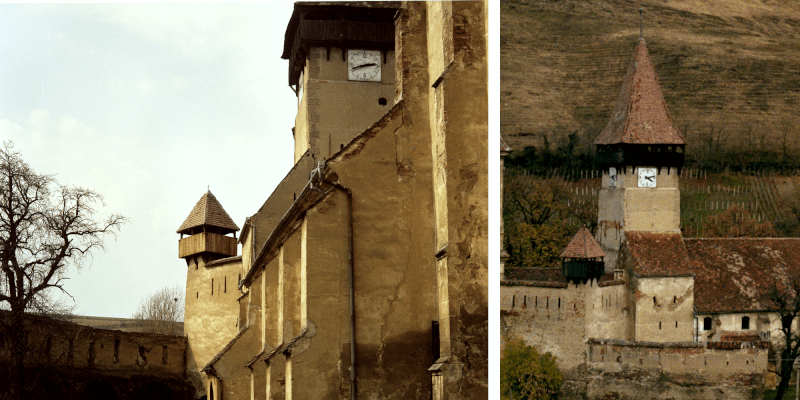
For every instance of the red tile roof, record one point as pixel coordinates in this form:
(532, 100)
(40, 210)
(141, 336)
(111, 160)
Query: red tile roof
(734, 274)
(208, 212)
(640, 115)
(656, 254)
(583, 245)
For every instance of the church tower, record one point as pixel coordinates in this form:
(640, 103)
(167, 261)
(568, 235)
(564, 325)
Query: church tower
(641, 153)
(341, 66)
(212, 278)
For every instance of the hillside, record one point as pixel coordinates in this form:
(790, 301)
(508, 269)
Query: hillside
(729, 70)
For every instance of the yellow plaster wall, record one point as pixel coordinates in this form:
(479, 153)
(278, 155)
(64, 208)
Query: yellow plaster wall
(271, 212)
(210, 321)
(334, 110)
(324, 355)
(272, 303)
(553, 320)
(674, 302)
(627, 207)
(291, 286)
(458, 109)
(607, 312)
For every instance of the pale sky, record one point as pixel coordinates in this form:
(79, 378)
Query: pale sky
(148, 104)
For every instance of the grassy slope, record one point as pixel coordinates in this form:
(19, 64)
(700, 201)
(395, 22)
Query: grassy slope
(730, 64)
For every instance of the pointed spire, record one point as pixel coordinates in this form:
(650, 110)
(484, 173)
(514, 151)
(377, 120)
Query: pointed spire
(640, 115)
(583, 245)
(208, 212)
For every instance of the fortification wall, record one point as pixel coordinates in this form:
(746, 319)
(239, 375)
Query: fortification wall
(664, 309)
(687, 370)
(558, 317)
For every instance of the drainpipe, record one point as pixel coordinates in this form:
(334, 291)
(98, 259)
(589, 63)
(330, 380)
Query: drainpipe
(352, 286)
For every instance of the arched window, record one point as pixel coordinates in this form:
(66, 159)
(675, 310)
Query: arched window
(707, 323)
(745, 323)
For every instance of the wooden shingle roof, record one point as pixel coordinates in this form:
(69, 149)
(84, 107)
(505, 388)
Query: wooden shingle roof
(583, 245)
(208, 212)
(640, 115)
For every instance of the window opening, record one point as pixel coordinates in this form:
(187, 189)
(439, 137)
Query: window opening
(513, 299)
(116, 351)
(707, 323)
(382, 101)
(164, 355)
(745, 323)
(212, 286)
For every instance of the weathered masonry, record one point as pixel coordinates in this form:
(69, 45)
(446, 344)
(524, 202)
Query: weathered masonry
(365, 272)
(70, 361)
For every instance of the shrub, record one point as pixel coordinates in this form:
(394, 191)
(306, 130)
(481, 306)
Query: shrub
(526, 374)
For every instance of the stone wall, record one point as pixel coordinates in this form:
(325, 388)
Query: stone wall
(630, 370)
(560, 319)
(68, 361)
(664, 309)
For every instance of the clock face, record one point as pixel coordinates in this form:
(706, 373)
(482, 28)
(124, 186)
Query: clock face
(647, 177)
(612, 174)
(364, 65)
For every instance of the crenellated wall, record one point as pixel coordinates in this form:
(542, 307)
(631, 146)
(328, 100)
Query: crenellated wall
(559, 318)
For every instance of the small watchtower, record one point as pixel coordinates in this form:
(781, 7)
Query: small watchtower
(582, 258)
(207, 226)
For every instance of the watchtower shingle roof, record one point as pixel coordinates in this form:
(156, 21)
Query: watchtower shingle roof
(583, 245)
(640, 115)
(210, 213)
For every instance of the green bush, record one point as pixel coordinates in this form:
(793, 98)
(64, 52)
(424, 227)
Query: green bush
(527, 374)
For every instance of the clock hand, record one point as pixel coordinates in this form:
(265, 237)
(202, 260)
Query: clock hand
(649, 178)
(365, 65)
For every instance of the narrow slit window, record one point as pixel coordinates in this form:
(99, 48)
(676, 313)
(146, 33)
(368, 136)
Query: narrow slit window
(212, 286)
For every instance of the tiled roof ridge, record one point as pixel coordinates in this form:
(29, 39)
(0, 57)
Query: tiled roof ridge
(640, 114)
(741, 238)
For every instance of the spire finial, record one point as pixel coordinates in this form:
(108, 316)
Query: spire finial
(640, 22)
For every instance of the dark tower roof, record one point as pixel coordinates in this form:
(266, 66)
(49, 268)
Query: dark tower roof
(210, 214)
(350, 24)
(583, 245)
(640, 115)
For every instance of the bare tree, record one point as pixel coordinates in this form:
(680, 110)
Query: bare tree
(161, 311)
(784, 298)
(44, 229)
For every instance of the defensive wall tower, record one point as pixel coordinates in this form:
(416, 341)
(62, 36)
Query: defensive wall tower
(341, 66)
(212, 279)
(641, 153)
